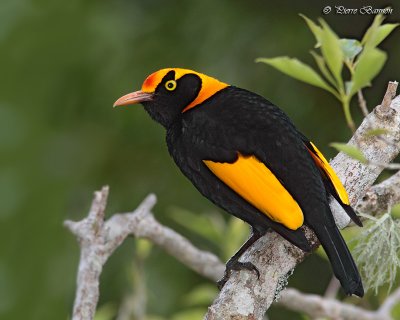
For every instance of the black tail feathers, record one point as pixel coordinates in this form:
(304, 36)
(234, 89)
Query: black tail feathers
(341, 260)
(351, 213)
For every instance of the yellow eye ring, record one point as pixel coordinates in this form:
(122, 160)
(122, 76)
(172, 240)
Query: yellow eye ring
(170, 85)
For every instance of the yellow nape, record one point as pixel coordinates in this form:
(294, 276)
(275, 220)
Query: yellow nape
(322, 163)
(255, 183)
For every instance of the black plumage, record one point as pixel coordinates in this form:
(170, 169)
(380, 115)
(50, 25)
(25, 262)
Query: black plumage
(235, 121)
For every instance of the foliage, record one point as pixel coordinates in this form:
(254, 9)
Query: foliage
(378, 251)
(362, 59)
(351, 151)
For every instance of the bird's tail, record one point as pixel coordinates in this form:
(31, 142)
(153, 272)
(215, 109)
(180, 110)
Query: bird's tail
(341, 260)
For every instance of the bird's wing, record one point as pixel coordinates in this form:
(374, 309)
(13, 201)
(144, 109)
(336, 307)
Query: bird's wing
(323, 165)
(332, 181)
(253, 181)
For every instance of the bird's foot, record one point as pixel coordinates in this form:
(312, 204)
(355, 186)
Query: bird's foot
(236, 266)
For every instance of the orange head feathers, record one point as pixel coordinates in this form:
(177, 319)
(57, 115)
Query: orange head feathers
(171, 90)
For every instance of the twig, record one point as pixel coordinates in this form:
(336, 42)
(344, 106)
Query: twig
(380, 111)
(98, 240)
(319, 307)
(88, 232)
(389, 95)
(379, 197)
(134, 304)
(389, 303)
(332, 289)
(388, 166)
(362, 103)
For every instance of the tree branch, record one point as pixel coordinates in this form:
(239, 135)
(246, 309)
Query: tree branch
(319, 307)
(387, 306)
(389, 96)
(246, 297)
(98, 240)
(362, 103)
(379, 198)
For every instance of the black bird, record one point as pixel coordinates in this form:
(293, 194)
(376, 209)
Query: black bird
(245, 155)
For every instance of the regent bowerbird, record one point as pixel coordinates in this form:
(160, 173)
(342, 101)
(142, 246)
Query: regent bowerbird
(245, 155)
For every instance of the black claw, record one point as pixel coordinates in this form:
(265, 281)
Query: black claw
(251, 267)
(234, 264)
(221, 283)
(237, 266)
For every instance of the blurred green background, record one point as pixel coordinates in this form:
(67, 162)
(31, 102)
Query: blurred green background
(64, 63)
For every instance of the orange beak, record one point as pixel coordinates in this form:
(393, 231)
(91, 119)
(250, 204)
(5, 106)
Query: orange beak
(133, 98)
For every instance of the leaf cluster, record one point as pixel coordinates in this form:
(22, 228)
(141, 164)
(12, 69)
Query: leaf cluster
(362, 59)
(378, 250)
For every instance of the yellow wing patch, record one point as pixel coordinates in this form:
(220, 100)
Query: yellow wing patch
(324, 165)
(255, 183)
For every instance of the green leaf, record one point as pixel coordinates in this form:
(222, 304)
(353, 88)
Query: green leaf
(332, 52)
(350, 48)
(351, 151)
(315, 29)
(376, 33)
(322, 67)
(382, 32)
(370, 35)
(369, 63)
(298, 70)
(376, 132)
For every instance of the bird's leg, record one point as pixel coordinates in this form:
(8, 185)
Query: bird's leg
(234, 263)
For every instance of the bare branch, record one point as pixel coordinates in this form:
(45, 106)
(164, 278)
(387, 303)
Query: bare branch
(332, 289)
(88, 232)
(99, 243)
(204, 263)
(319, 307)
(389, 303)
(362, 103)
(99, 239)
(389, 95)
(274, 256)
(381, 196)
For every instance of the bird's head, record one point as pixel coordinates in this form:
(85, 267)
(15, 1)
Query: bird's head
(168, 93)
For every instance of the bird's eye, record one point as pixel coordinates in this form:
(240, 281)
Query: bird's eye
(170, 85)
